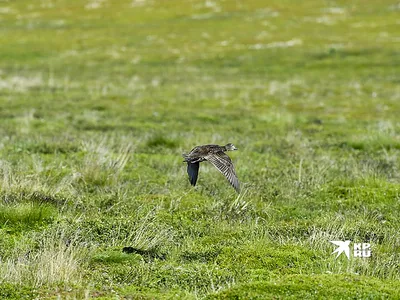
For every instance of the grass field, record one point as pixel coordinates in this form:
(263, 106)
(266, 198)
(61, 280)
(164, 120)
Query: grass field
(99, 99)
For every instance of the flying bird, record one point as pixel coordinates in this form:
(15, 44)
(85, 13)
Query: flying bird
(215, 154)
(343, 248)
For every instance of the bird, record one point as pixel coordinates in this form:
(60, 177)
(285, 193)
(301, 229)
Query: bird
(215, 154)
(343, 248)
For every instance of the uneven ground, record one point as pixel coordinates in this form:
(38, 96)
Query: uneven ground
(98, 99)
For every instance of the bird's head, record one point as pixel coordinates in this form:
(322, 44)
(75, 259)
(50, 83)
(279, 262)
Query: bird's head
(230, 147)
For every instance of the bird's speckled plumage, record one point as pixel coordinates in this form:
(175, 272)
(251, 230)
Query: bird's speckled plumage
(215, 154)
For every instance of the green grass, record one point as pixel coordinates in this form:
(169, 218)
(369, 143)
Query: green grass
(98, 99)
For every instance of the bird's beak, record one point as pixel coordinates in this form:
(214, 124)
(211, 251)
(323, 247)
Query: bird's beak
(234, 148)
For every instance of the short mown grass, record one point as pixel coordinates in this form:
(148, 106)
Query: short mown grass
(99, 99)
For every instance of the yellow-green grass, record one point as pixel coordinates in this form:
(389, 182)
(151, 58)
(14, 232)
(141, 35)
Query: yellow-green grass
(98, 99)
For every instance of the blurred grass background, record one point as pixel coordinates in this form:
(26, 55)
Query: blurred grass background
(98, 99)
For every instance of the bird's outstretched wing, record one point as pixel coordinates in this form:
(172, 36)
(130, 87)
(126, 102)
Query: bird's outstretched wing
(337, 243)
(224, 164)
(193, 172)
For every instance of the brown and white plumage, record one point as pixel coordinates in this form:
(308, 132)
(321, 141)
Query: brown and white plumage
(215, 154)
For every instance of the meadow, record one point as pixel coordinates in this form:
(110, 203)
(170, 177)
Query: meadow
(99, 99)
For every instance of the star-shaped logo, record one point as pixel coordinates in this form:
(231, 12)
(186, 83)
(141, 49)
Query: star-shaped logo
(343, 247)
